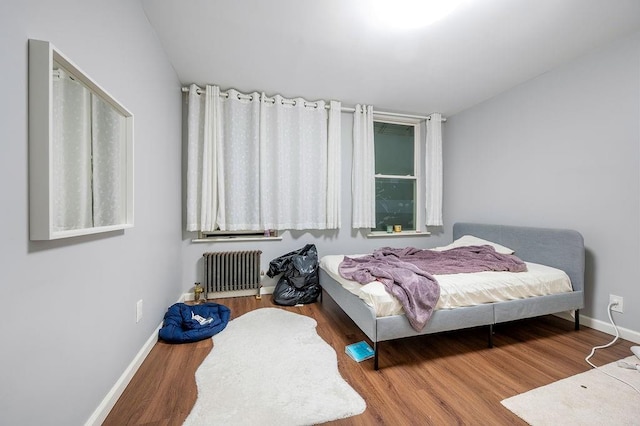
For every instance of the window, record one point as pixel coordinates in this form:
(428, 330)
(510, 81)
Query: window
(397, 182)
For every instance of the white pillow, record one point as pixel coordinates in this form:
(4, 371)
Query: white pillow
(470, 240)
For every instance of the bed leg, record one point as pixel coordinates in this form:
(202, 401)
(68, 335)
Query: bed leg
(577, 319)
(375, 355)
(490, 341)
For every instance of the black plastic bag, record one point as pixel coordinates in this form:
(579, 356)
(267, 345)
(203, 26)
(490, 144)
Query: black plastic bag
(299, 283)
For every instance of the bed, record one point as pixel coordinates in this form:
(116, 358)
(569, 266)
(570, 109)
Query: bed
(561, 249)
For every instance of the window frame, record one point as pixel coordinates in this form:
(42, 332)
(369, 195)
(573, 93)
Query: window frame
(45, 60)
(419, 213)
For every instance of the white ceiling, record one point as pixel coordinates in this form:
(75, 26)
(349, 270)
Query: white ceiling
(333, 49)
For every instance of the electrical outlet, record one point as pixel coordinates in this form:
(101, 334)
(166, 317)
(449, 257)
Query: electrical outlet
(139, 311)
(619, 306)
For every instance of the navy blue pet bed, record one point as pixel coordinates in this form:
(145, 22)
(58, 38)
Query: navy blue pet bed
(190, 323)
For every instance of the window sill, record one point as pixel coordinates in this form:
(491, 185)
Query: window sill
(231, 239)
(382, 234)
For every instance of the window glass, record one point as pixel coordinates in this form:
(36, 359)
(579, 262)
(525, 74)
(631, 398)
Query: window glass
(395, 203)
(394, 148)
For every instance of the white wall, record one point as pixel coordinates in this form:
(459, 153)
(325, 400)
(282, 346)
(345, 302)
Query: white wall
(561, 151)
(68, 324)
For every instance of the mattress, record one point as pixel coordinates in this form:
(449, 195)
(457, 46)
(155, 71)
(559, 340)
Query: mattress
(458, 290)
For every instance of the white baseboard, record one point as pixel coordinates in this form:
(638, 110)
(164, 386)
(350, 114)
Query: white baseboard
(101, 413)
(605, 327)
(188, 297)
(103, 410)
(267, 289)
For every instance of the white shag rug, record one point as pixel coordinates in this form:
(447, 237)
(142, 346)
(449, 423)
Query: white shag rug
(589, 398)
(270, 367)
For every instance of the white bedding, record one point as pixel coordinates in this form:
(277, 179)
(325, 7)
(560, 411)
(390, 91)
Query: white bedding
(457, 290)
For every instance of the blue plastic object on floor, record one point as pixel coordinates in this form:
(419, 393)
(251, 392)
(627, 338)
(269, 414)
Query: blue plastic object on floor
(190, 323)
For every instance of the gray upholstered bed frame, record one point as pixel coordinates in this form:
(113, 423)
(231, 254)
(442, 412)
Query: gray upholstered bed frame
(559, 248)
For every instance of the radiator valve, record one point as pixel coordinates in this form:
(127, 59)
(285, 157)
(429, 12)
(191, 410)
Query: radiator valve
(197, 293)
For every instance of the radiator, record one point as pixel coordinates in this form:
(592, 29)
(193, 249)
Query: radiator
(232, 273)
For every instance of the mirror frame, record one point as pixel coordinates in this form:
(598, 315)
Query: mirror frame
(42, 55)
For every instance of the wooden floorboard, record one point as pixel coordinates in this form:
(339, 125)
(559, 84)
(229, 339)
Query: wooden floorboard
(447, 378)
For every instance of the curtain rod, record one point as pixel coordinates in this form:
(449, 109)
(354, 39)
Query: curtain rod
(343, 109)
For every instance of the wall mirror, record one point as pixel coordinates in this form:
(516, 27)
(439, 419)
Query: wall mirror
(80, 151)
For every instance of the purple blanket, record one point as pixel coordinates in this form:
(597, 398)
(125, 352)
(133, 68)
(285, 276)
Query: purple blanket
(407, 273)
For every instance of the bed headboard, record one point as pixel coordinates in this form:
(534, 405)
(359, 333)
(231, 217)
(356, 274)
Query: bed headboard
(559, 248)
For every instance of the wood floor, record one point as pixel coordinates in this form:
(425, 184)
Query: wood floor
(443, 379)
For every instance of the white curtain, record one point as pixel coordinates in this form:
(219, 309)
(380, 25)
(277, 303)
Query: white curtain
(195, 142)
(258, 163)
(363, 169)
(240, 180)
(87, 151)
(71, 155)
(334, 166)
(434, 170)
(109, 157)
(212, 191)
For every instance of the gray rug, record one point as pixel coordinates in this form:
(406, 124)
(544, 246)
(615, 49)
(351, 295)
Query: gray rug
(270, 367)
(590, 398)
